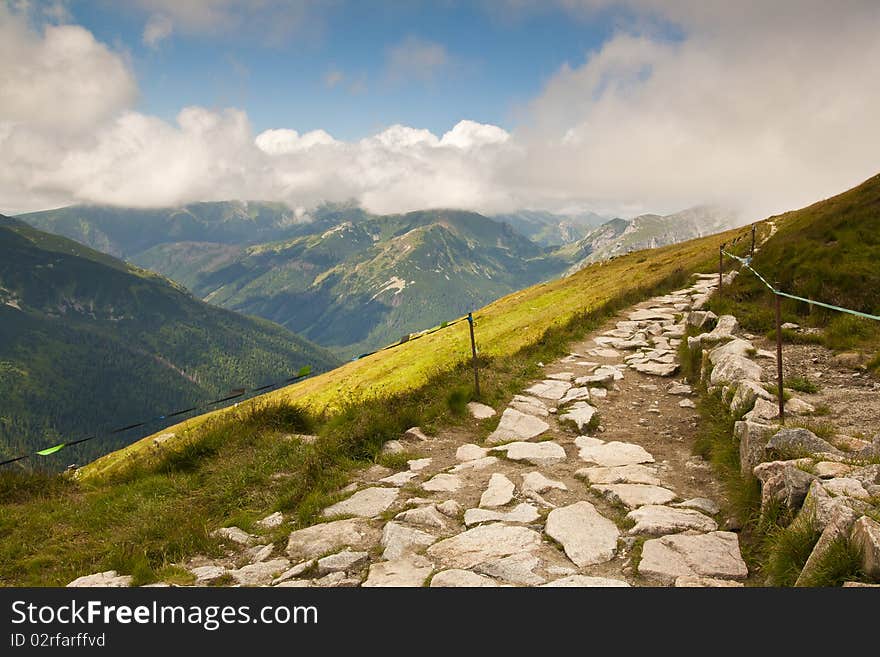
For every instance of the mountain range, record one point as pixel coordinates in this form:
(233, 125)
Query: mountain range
(353, 281)
(88, 342)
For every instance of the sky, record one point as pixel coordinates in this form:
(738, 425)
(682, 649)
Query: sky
(613, 106)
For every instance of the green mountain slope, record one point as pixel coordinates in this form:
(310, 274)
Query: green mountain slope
(364, 283)
(88, 342)
(829, 252)
(549, 229)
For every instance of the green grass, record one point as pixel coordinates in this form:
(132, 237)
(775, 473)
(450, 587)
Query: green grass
(787, 550)
(801, 384)
(841, 562)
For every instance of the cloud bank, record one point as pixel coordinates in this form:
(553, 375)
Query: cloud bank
(761, 106)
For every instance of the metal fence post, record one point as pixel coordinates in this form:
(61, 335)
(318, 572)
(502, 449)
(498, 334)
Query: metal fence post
(752, 251)
(780, 388)
(720, 265)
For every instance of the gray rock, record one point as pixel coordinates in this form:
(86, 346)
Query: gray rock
(345, 561)
(586, 535)
(424, 516)
(515, 425)
(336, 580)
(654, 520)
(417, 465)
(480, 411)
(783, 481)
(846, 486)
(366, 503)
(699, 318)
(839, 527)
(679, 389)
(529, 405)
(392, 447)
(830, 469)
(524, 513)
(443, 483)
(714, 555)
(484, 544)
(399, 478)
(476, 464)
(733, 369)
(753, 438)
(724, 328)
(234, 534)
(612, 453)
(409, 571)
(541, 454)
(271, 521)
(622, 474)
(701, 504)
(746, 394)
(763, 411)
(656, 369)
(259, 574)
(696, 581)
(456, 577)
(549, 389)
(399, 540)
(583, 581)
(294, 571)
(820, 507)
(205, 574)
(107, 578)
(687, 403)
(799, 407)
(793, 443)
(259, 553)
(735, 347)
(450, 508)
(537, 483)
(415, 434)
(866, 537)
(575, 394)
(635, 495)
(498, 493)
(516, 569)
(580, 413)
(327, 537)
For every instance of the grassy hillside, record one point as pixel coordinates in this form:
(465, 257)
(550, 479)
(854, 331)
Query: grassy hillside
(829, 252)
(88, 342)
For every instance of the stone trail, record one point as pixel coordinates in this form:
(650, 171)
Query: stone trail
(582, 466)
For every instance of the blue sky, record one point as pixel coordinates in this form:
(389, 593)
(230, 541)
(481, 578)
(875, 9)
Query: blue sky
(494, 61)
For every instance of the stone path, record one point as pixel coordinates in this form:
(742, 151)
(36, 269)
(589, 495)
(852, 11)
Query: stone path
(587, 480)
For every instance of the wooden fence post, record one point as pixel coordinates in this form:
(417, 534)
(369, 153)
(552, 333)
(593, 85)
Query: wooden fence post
(752, 251)
(474, 355)
(780, 387)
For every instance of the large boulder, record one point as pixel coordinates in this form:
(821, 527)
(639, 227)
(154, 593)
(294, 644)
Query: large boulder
(732, 368)
(736, 347)
(838, 528)
(715, 554)
(795, 443)
(866, 537)
(785, 482)
(586, 535)
(753, 438)
(746, 393)
(657, 520)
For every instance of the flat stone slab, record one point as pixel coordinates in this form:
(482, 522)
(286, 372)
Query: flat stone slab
(424, 516)
(695, 581)
(443, 483)
(498, 493)
(581, 413)
(515, 425)
(327, 537)
(399, 540)
(417, 465)
(344, 561)
(235, 534)
(703, 504)
(714, 555)
(399, 478)
(456, 577)
(476, 464)
(636, 495)
(621, 474)
(536, 482)
(516, 569)
(656, 369)
(651, 314)
(586, 535)
(549, 389)
(480, 411)
(271, 521)
(259, 574)
(604, 352)
(575, 394)
(561, 376)
(610, 454)
(541, 454)
(366, 503)
(483, 544)
(470, 452)
(409, 571)
(656, 520)
(106, 578)
(524, 513)
(583, 581)
(529, 405)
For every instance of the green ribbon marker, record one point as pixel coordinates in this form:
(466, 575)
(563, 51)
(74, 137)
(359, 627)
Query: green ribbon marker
(304, 370)
(51, 450)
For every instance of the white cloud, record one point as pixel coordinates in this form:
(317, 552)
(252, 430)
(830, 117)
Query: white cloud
(158, 28)
(416, 59)
(62, 79)
(766, 108)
